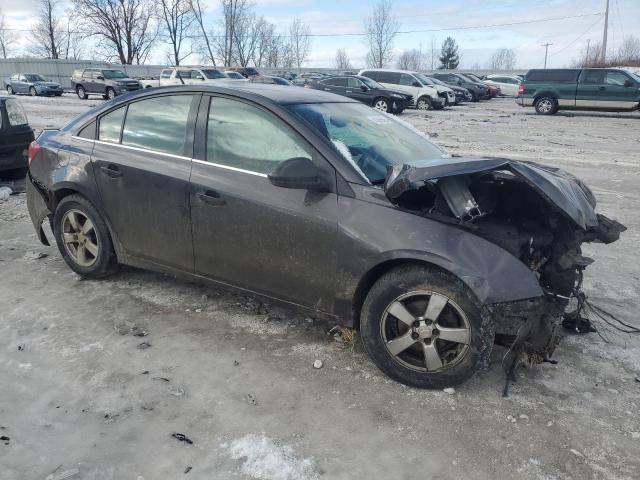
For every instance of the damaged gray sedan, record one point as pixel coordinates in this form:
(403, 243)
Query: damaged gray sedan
(321, 202)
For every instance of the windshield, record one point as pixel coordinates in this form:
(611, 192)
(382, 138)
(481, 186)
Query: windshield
(370, 140)
(473, 77)
(114, 74)
(438, 82)
(234, 75)
(34, 77)
(424, 79)
(370, 83)
(635, 76)
(211, 73)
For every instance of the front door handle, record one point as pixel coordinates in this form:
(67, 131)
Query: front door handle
(111, 171)
(211, 198)
(602, 88)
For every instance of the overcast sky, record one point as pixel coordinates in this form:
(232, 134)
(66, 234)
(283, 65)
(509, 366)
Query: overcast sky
(568, 36)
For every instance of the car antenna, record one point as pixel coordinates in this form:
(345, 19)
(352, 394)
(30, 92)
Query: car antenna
(179, 76)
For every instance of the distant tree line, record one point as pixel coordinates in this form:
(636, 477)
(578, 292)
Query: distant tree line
(627, 54)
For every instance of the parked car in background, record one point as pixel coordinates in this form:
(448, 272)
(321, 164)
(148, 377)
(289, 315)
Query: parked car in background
(15, 137)
(318, 201)
(479, 91)
(286, 75)
(425, 97)
(246, 72)
(508, 83)
(270, 80)
(364, 90)
(607, 89)
(106, 82)
(444, 91)
(461, 94)
(191, 75)
(304, 78)
(149, 82)
(235, 75)
(32, 84)
(494, 90)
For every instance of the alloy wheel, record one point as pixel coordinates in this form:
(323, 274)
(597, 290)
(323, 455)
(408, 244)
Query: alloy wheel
(545, 105)
(425, 331)
(381, 105)
(423, 104)
(33, 92)
(111, 93)
(80, 238)
(10, 90)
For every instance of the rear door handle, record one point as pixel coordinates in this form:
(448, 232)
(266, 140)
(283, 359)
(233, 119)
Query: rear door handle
(111, 171)
(211, 198)
(602, 88)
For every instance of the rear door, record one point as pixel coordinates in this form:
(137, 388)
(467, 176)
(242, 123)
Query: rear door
(589, 86)
(618, 90)
(142, 163)
(247, 232)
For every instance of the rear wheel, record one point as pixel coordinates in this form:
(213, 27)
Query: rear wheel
(424, 103)
(423, 327)
(10, 90)
(83, 238)
(546, 105)
(111, 93)
(82, 94)
(381, 104)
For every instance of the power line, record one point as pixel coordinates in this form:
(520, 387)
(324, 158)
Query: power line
(576, 39)
(402, 32)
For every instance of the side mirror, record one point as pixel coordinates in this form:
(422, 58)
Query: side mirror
(416, 84)
(364, 88)
(299, 173)
(628, 83)
(99, 77)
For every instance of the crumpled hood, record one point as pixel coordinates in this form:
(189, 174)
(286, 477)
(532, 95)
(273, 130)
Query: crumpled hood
(556, 186)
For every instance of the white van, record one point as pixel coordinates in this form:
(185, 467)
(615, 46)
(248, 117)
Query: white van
(425, 96)
(191, 75)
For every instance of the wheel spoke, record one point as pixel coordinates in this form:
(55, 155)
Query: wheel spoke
(92, 248)
(399, 311)
(400, 344)
(457, 335)
(68, 238)
(73, 221)
(432, 358)
(81, 254)
(87, 227)
(434, 308)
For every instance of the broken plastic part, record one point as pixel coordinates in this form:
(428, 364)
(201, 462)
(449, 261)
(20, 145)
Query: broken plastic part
(459, 199)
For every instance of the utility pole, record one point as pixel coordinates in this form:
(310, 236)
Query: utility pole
(587, 56)
(604, 34)
(546, 50)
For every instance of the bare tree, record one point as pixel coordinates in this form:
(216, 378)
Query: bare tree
(382, 28)
(247, 36)
(127, 29)
(300, 40)
(629, 52)
(342, 60)
(178, 21)
(411, 60)
(7, 37)
(198, 9)
(234, 13)
(73, 40)
(49, 31)
(503, 59)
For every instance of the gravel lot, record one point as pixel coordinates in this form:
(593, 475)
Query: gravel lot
(80, 397)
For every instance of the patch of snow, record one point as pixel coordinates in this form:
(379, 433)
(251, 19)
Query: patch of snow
(344, 151)
(265, 460)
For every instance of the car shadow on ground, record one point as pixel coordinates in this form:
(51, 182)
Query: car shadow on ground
(579, 114)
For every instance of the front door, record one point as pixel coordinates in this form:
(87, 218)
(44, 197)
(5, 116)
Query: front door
(142, 163)
(618, 90)
(247, 232)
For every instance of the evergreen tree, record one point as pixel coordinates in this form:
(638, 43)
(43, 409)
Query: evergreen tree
(449, 58)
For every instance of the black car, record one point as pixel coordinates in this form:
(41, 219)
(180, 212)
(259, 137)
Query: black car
(461, 93)
(364, 90)
(15, 137)
(317, 200)
(479, 91)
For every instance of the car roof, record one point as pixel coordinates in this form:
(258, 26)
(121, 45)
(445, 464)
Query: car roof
(394, 70)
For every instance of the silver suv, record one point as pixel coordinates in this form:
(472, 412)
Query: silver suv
(106, 82)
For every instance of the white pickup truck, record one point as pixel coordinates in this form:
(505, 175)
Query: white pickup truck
(185, 75)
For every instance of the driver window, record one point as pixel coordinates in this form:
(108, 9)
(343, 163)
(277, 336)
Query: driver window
(195, 74)
(615, 78)
(354, 83)
(232, 122)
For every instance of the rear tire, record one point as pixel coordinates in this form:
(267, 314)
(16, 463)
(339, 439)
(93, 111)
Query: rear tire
(110, 93)
(10, 90)
(82, 94)
(546, 106)
(83, 238)
(421, 355)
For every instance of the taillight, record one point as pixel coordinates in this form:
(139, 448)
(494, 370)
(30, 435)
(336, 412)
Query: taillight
(521, 89)
(34, 149)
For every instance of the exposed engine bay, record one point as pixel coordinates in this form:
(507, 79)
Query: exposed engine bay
(541, 215)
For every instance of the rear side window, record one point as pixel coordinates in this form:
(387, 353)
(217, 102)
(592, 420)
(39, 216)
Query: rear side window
(591, 77)
(389, 77)
(566, 76)
(111, 126)
(158, 123)
(15, 112)
(232, 122)
(336, 82)
(372, 75)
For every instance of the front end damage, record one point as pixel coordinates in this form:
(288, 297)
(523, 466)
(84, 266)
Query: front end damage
(540, 214)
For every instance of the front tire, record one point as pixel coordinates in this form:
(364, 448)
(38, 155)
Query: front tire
(110, 93)
(82, 94)
(381, 104)
(33, 92)
(83, 238)
(546, 106)
(425, 328)
(424, 103)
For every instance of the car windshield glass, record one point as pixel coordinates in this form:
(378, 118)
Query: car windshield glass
(472, 77)
(438, 82)
(114, 74)
(636, 76)
(424, 79)
(370, 83)
(34, 77)
(370, 140)
(211, 73)
(234, 75)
